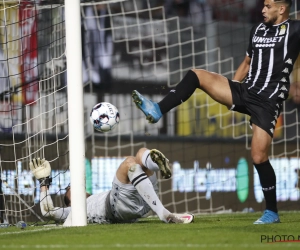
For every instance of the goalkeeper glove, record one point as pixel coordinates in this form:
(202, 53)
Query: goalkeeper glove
(41, 169)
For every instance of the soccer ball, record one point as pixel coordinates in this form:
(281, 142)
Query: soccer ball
(104, 116)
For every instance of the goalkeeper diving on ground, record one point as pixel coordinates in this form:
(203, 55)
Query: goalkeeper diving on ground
(133, 194)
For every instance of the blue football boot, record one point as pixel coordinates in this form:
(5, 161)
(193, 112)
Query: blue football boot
(149, 108)
(268, 217)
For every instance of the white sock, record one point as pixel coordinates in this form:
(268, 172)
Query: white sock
(154, 181)
(145, 188)
(148, 163)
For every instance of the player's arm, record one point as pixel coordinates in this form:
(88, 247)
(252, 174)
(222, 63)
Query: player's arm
(47, 208)
(41, 169)
(242, 70)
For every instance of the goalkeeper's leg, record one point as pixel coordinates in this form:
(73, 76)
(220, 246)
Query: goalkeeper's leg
(145, 188)
(143, 185)
(155, 161)
(131, 172)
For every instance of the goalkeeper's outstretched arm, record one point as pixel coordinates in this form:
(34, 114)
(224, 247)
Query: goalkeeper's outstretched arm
(47, 208)
(41, 169)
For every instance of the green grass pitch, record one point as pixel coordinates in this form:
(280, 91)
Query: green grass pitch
(217, 231)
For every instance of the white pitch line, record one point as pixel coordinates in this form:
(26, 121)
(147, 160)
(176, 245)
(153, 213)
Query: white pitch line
(31, 231)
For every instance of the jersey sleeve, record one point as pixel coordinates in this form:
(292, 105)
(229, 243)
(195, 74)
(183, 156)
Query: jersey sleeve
(249, 50)
(49, 211)
(298, 28)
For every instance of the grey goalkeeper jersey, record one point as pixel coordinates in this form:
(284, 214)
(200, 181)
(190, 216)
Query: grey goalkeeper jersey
(126, 204)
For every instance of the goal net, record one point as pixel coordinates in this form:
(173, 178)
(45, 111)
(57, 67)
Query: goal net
(154, 45)
(148, 46)
(33, 102)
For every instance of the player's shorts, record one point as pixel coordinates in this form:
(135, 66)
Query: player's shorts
(263, 111)
(96, 211)
(124, 204)
(121, 204)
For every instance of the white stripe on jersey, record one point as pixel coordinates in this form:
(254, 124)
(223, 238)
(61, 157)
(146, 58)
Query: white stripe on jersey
(258, 68)
(277, 31)
(249, 72)
(270, 70)
(250, 69)
(286, 41)
(276, 90)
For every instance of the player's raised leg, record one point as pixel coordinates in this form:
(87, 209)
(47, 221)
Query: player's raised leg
(155, 161)
(150, 109)
(215, 85)
(162, 162)
(139, 180)
(130, 171)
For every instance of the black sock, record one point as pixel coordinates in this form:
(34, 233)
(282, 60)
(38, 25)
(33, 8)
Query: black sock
(181, 93)
(268, 182)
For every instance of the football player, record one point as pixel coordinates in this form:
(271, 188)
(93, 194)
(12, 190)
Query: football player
(133, 194)
(258, 89)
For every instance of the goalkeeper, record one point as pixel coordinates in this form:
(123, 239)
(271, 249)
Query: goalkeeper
(133, 194)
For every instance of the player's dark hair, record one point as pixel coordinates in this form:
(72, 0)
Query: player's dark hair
(289, 2)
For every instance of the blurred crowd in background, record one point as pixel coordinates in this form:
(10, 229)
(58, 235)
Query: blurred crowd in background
(197, 12)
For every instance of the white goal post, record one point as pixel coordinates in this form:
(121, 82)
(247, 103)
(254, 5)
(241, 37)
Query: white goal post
(42, 115)
(75, 107)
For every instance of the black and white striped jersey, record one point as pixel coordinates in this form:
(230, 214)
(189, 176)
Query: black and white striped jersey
(273, 51)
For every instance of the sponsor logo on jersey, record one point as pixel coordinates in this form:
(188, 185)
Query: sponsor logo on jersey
(266, 42)
(282, 30)
(265, 45)
(272, 40)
